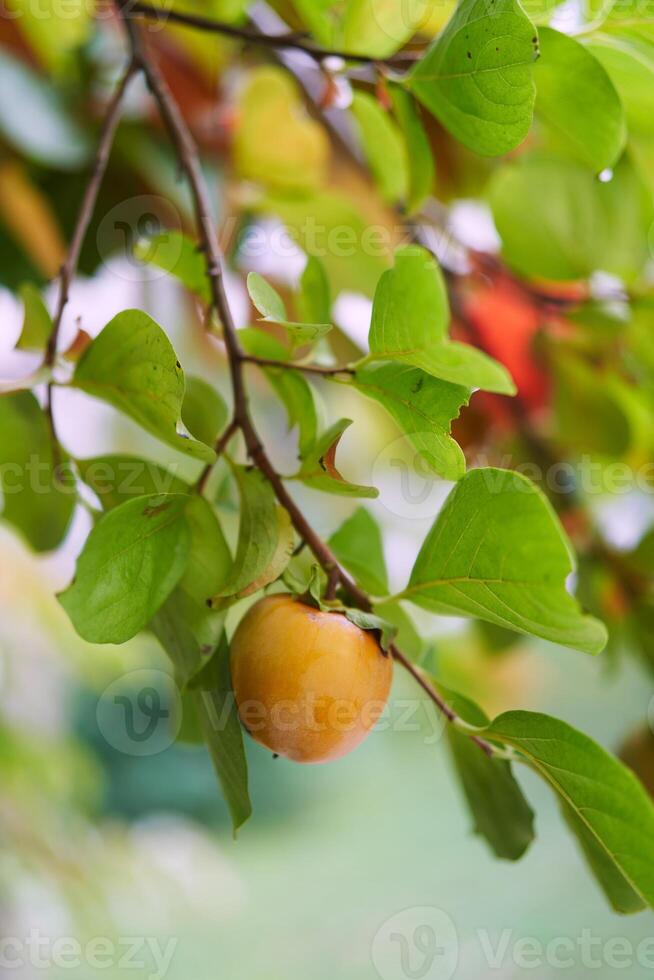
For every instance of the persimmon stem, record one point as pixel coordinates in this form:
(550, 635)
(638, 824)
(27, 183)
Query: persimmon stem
(219, 449)
(187, 154)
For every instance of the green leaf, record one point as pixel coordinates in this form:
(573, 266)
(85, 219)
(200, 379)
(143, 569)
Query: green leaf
(587, 116)
(477, 76)
(265, 539)
(606, 803)
(421, 174)
(314, 300)
(35, 120)
(369, 621)
(423, 407)
(383, 146)
(319, 470)
(132, 560)
(631, 69)
(408, 639)
(271, 306)
(178, 255)
(131, 365)
(223, 734)
(115, 478)
(185, 626)
(500, 811)
(410, 317)
(497, 552)
(358, 545)
(204, 412)
(379, 28)
(291, 388)
(35, 501)
(37, 322)
(577, 224)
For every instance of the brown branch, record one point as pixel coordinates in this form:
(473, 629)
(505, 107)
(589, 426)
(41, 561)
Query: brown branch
(219, 449)
(295, 366)
(84, 216)
(249, 35)
(190, 164)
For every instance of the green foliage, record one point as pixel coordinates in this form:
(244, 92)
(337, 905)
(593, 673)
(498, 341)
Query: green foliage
(188, 630)
(606, 805)
(318, 469)
(383, 145)
(423, 407)
(340, 159)
(497, 513)
(37, 322)
(358, 545)
(132, 560)
(577, 223)
(290, 386)
(178, 255)
(132, 365)
(588, 116)
(500, 812)
(204, 412)
(410, 318)
(477, 77)
(212, 692)
(272, 309)
(265, 539)
(419, 156)
(39, 496)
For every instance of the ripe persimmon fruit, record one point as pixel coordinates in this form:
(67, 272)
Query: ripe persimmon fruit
(309, 685)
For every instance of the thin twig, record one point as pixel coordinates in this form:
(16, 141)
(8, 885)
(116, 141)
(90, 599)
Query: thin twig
(219, 449)
(84, 216)
(252, 36)
(296, 366)
(190, 164)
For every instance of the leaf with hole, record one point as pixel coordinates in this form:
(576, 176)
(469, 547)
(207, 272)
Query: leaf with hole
(319, 469)
(423, 407)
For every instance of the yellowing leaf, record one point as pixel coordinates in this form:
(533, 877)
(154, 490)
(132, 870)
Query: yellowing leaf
(276, 141)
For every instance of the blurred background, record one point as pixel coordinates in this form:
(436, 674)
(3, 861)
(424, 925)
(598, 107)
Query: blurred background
(117, 855)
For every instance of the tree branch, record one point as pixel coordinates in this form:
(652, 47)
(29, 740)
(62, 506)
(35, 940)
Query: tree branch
(190, 164)
(252, 36)
(84, 216)
(294, 366)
